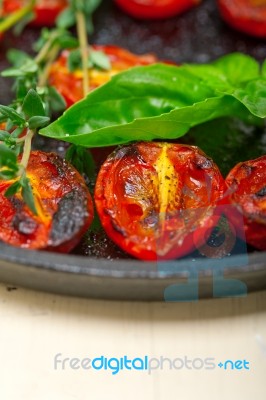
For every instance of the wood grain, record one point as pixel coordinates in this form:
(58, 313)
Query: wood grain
(36, 326)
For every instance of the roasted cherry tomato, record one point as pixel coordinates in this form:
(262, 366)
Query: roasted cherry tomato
(155, 9)
(46, 11)
(63, 202)
(151, 197)
(247, 16)
(69, 84)
(247, 182)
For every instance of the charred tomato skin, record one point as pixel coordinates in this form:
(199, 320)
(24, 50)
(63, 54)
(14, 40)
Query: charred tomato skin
(46, 11)
(63, 202)
(69, 83)
(155, 9)
(248, 16)
(247, 184)
(152, 196)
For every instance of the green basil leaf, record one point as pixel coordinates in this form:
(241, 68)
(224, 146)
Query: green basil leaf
(32, 104)
(238, 67)
(224, 137)
(38, 122)
(263, 69)
(223, 74)
(163, 102)
(253, 96)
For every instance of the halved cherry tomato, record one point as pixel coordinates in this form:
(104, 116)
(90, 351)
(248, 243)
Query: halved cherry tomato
(155, 9)
(69, 84)
(151, 197)
(63, 202)
(247, 182)
(46, 11)
(247, 16)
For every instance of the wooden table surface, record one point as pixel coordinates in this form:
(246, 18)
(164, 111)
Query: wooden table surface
(37, 326)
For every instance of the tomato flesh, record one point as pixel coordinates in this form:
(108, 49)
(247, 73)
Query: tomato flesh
(247, 181)
(155, 9)
(69, 84)
(151, 197)
(46, 11)
(248, 16)
(63, 203)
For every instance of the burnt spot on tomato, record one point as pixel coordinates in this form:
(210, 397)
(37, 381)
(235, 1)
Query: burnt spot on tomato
(24, 224)
(118, 228)
(203, 162)
(69, 217)
(16, 203)
(60, 166)
(247, 169)
(261, 192)
(216, 238)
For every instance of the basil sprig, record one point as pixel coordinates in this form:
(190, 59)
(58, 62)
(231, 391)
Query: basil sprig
(164, 101)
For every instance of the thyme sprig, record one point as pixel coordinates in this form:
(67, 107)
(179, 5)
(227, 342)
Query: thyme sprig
(35, 99)
(16, 138)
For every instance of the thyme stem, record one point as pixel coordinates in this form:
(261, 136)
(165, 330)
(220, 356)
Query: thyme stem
(84, 49)
(27, 149)
(46, 48)
(13, 18)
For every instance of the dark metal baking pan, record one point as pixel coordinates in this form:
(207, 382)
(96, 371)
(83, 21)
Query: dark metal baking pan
(197, 36)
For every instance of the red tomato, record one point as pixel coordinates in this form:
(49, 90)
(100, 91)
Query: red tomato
(46, 11)
(155, 9)
(247, 181)
(151, 197)
(69, 84)
(63, 202)
(248, 16)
